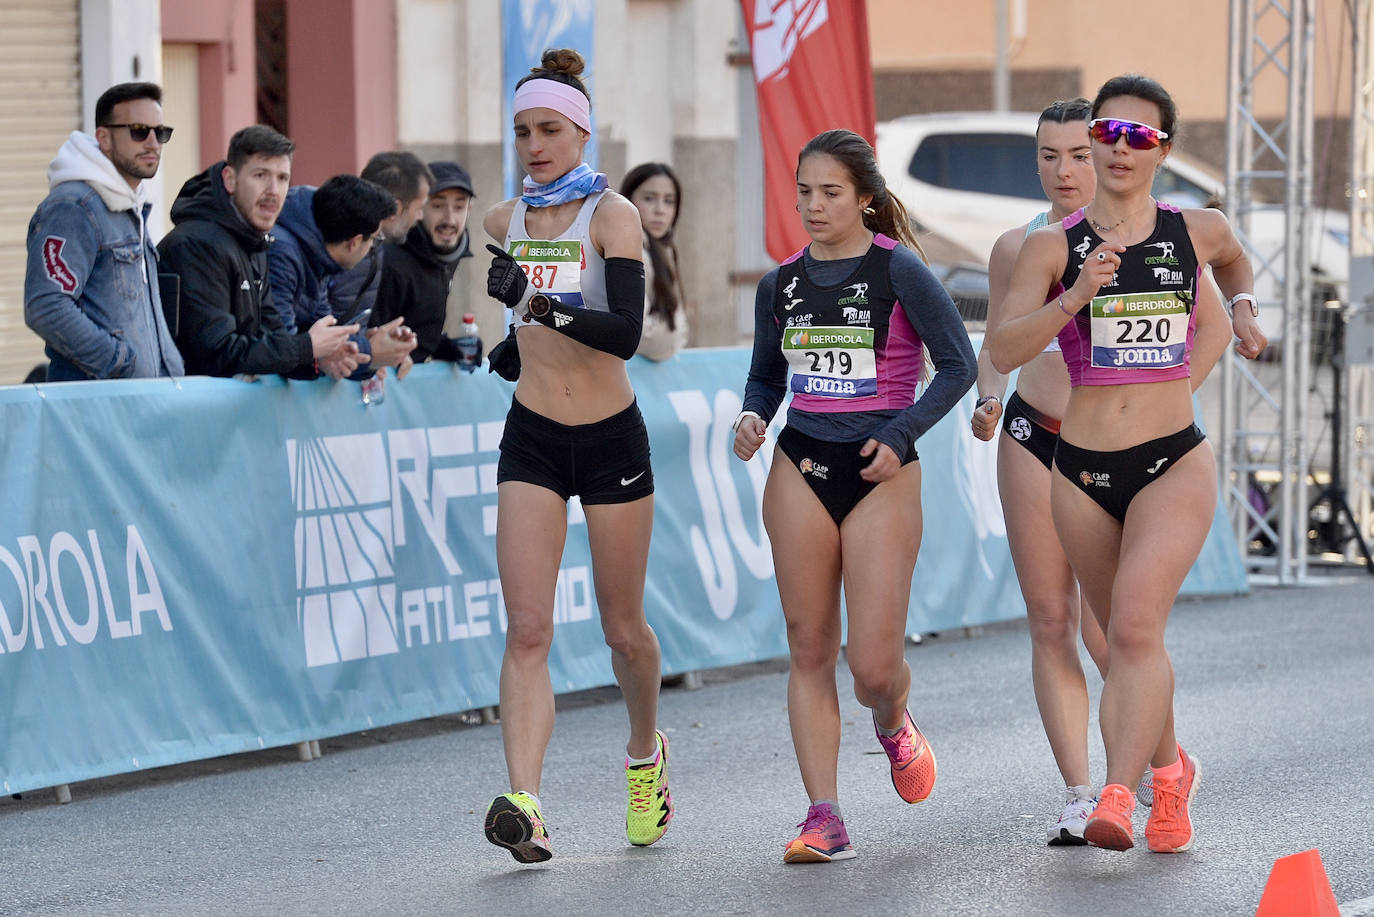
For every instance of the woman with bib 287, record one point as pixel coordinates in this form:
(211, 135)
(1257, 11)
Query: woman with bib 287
(1135, 485)
(569, 265)
(850, 316)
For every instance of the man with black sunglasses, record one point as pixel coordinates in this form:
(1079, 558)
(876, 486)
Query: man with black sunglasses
(91, 287)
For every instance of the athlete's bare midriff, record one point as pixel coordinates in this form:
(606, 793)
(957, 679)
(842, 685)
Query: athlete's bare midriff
(1043, 383)
(1108, 418)
(569, 382)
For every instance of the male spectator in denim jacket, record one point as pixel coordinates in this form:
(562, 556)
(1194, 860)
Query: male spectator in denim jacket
(90, 288)
(322, 233)
(418, 274)
(222, 316)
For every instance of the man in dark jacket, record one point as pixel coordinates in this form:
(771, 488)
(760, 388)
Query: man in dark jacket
(417, 275)
(221, 311)
(322, 233)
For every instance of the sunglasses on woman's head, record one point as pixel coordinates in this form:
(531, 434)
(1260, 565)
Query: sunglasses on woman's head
(1138, 136)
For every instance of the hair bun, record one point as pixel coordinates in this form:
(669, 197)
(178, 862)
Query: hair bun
(561, 60)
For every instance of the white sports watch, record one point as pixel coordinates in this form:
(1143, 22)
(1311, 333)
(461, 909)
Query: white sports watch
(1254, 303)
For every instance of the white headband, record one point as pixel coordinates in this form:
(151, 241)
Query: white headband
(562, 98)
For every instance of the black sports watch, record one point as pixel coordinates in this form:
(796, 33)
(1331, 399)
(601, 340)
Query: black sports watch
(539, 305)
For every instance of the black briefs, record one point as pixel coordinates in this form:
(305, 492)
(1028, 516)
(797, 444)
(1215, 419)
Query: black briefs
(831, 469)
(1113, 479)
(1036, 431)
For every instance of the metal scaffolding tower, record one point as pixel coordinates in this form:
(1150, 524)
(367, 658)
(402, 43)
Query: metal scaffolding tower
(1271, 41)
(1359, 414)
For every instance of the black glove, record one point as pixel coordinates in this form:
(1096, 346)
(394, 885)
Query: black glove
(504, 359)
(505, 281)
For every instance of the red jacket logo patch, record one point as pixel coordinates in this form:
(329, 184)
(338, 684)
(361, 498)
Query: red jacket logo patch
(57, 269)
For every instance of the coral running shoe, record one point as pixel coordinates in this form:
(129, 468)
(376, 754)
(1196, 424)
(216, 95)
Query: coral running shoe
(1110, 824)
(651, 805)
(1079, 803)
(822, 839)
(514, 822)
(913, 763)
(1170, 828)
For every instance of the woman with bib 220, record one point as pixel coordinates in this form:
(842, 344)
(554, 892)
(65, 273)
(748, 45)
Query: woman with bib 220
(851, 316)
(1135, 488)
(569, 265)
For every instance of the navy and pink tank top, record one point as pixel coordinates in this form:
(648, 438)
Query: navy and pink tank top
(849, 346)
(1140, 326)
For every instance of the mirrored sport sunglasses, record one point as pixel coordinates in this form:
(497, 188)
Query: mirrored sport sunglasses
(139, 132)
(1138, 136)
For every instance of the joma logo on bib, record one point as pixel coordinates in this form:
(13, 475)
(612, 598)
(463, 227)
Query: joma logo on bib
(820, 385)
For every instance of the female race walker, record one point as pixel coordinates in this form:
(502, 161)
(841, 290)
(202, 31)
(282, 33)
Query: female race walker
(850, 315)
(570, 266)
(655, 191)
(1030, 427)
(1136, 486)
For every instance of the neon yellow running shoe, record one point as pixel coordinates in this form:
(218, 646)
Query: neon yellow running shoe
(514, 822)
(651, 805)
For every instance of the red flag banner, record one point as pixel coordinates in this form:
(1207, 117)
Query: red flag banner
(813, 73)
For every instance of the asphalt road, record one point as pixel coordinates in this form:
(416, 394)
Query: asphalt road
(1275, 698)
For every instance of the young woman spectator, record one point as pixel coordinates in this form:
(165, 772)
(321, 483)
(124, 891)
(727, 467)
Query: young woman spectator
(653, 187)
(851, 315)
(569, 265)
(1135, 491)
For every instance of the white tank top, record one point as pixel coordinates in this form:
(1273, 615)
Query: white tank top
(592, 275)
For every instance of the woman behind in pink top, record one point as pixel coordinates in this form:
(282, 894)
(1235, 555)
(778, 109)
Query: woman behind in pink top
(1135, 488)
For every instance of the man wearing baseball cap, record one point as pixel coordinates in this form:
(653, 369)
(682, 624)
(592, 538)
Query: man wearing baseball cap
(418, 274)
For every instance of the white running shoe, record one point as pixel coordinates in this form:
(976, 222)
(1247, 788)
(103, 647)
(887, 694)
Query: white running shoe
(1079, 803)
(1145, 792)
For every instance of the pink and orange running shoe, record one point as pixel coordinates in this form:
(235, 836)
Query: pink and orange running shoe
(913, 763)
(1170, 827)
(823, 838)
(1110, 824)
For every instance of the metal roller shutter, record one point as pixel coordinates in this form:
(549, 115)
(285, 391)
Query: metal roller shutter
(40, 104)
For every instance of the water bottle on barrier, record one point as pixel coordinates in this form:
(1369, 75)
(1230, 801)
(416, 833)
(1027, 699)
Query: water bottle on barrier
(469, 345)
(374, 389)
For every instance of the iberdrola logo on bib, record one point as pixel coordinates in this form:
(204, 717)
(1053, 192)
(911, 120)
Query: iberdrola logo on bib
(800, 339)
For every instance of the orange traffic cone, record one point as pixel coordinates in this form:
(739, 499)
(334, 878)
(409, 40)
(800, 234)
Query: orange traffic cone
(1298, 887)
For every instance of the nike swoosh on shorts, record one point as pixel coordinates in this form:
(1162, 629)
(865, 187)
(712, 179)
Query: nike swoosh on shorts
(626, 482)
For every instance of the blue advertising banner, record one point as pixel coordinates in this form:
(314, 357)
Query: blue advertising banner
(528, 29)
(197, 567)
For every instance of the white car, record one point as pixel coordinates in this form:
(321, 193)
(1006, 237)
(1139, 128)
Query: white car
(970, 176)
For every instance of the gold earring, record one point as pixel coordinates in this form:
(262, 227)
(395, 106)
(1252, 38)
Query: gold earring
(869, 211)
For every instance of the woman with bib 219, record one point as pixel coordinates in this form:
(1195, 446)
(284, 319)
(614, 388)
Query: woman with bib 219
(851, 316)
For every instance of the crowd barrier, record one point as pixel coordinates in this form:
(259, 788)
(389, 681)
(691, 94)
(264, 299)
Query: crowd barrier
(200, 567)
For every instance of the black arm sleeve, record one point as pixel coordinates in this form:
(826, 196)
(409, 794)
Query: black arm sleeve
(209, 334)
(615, 332)
(767, 383)
(933, 315)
